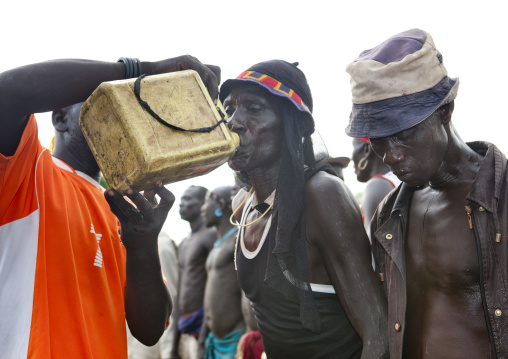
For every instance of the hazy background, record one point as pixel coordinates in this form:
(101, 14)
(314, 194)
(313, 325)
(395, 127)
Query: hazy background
(324, 36)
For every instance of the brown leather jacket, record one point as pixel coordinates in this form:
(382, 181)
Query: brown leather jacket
(488, 202)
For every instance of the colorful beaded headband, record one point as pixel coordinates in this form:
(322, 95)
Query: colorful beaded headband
(275, 87)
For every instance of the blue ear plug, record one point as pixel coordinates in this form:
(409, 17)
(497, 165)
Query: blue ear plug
(218, 212)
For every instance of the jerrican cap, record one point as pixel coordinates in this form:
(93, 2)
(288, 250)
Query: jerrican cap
(397, 85)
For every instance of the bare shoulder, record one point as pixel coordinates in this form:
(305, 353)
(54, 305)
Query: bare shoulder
(379, 185)
(324, 188)
(332, 212)
(210, 235)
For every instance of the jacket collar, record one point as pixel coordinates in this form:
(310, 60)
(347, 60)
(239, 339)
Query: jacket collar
(487, 186)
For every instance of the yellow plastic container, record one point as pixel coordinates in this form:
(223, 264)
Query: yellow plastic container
(133, 149)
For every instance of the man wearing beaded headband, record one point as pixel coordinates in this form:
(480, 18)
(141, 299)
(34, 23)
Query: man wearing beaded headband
(439, 240)
(68, 281)
(302, 244)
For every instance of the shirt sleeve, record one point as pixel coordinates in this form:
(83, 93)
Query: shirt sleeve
(17, 172)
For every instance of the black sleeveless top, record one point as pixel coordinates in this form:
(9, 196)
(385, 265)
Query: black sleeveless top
(279, 319)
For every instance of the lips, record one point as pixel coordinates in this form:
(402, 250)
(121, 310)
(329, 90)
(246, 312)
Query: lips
(238, 151)
(401, 173)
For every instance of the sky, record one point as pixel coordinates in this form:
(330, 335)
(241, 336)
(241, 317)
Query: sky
(323, 36)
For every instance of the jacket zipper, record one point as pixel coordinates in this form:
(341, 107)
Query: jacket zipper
(470, 218)
(468, 213)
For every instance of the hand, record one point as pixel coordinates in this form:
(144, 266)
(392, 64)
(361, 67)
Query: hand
(142, 222)
(216, 70)
(210, 74)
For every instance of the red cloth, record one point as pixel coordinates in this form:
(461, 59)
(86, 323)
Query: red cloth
(252, 346)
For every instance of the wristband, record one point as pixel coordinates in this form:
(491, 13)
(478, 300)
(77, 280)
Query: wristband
(132, 67)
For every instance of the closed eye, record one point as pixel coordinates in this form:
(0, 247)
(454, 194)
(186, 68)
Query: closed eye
(230, 110)
(255, 108)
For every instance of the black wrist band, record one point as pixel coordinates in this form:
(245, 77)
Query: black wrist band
(132, 67)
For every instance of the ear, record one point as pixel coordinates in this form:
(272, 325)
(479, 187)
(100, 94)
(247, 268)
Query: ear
(367, 149)
(222, 205)
(446, 112)
(59, 120)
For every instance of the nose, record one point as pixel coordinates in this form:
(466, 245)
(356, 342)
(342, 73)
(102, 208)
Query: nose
(392, 155)
(236, 123)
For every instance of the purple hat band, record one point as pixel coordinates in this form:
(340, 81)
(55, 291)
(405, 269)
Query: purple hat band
(390, 116)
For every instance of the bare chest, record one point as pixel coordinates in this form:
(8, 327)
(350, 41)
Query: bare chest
(440, 246)
(193, 252)
(222, 256)
(253, 234)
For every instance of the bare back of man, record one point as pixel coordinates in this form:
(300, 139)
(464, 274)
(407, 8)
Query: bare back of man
(444, 317)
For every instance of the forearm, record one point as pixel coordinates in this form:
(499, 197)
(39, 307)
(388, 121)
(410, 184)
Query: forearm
(375, 337)
(51, 85)
(363, 302)
(55, 84)
(147, 301)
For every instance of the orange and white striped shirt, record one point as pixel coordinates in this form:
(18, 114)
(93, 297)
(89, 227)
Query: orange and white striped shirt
(62, 265)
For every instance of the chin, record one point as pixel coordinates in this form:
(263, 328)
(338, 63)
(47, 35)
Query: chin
(231, 164)
(413, 183)
(235, 164)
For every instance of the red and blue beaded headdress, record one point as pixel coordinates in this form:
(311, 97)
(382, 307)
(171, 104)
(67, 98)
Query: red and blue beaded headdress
(280, 78)
(275, 87)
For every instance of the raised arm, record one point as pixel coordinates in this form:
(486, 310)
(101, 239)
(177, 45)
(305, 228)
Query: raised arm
(148, 304)
(334, 225)
(51, 85)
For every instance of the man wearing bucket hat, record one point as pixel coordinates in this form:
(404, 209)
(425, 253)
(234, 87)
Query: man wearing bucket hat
(439, 240)
(303, 257)
(68, 281)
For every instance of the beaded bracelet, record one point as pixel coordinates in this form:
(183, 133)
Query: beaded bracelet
(132, 67)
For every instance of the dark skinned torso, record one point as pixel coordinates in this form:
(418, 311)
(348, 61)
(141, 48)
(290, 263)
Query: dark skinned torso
(223, 313)
(192, 254)
(254, 233)
(338, 254)
(317, 270)
(444, 311)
